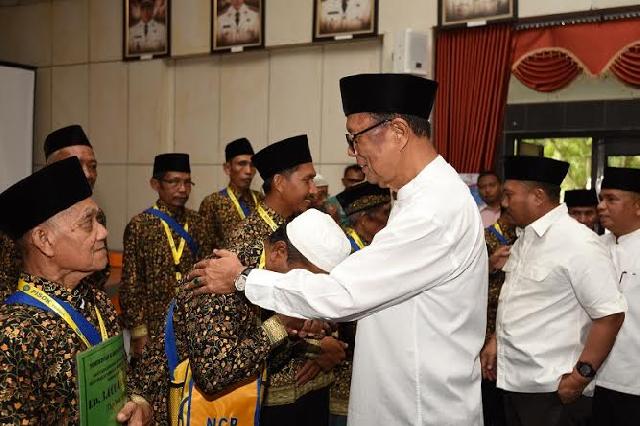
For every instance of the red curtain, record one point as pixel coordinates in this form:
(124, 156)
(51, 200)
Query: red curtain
(473, 69)
(627, 66)
(549, 59)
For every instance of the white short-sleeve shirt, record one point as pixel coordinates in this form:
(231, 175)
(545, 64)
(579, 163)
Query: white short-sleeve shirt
(559, 277)
(621, 370)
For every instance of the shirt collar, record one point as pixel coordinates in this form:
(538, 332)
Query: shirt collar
(279, 220)
(426, 175)
(629, 240)
(164, 207)
(542, 225)
(74, 297)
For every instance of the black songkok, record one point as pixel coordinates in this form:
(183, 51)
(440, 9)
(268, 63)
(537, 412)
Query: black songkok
(42, 195)
(62, 138)
(388, 93)
(536, 169)
(282, 155)
(581, 198)
(621, 178)
(172, 162)
(240, 146)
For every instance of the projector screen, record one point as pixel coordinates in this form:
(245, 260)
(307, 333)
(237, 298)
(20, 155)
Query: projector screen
(17, 94)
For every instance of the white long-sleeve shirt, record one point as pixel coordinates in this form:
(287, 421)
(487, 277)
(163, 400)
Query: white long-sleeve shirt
(620, 370)
(419, 292)
(558, 278)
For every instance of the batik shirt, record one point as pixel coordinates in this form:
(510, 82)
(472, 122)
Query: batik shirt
(219, 335)
(221, 215)
(38, 355)
(149, 274)
(247, 242)
(496, 279)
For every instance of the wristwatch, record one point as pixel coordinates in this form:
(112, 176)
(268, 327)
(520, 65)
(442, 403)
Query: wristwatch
(241, 279)
(586, 370)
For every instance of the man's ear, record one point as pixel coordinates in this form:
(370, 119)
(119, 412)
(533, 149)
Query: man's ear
(401, 130)
(278, 183)
(227, 168)
(43, 238)
(540, 195)
(155, 184)
(278, 255)
(636, 204)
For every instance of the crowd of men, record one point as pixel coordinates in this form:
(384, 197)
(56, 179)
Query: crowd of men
(396, 301)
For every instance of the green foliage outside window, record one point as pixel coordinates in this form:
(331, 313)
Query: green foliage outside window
(576, 151)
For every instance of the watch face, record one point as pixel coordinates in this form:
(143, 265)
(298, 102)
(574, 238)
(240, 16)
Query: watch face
(585, 370)
(240, 282)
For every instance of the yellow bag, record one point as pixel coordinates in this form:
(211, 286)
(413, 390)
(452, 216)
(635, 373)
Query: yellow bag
(237, 406)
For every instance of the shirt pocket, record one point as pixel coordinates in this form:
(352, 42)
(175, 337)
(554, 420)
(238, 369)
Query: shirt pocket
(537, 273)
(630, 281)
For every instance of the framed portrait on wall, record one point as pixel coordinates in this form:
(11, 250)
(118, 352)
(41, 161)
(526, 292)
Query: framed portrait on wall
(237, 25)
(146, 29)
(344, 19)
(468, 12)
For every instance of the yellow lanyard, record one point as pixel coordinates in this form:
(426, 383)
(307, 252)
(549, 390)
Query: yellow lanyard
(175, 253)
(49, 302)
(267, 219)
(272, 224)
(236, 203)
(497, 226)
(352, 233)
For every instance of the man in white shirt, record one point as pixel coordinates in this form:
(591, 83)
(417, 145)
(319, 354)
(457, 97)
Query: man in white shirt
(490, 190)
(148, 35)
(559, 309)
(238, 24)
(345, 15)
(419, 290)
(617, 396)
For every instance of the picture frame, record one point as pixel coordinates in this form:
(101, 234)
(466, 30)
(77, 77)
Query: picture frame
(237, 25)
(344, 19)
(146, 29)
(454, 13)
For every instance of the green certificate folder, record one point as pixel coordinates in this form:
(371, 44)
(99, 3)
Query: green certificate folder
(101, 382)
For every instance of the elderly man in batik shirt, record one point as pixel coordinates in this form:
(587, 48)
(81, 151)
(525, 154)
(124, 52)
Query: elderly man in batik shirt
(54, 220)
(225, 209)
(161, 244)
(220, 335)
(70, 141)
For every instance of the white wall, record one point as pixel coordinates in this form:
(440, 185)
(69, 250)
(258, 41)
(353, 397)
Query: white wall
(195, 102)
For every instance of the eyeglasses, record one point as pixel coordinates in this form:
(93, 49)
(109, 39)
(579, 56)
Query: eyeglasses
(352, 138)
(176, 183)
